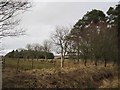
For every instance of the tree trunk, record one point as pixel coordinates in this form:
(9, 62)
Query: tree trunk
(105, 63)
(74, 61)
(85, 62)
(114, 63)
(18, 60)
(78, 54)
(28, 58)
(3, 63)
(32, 63)
(62, 61)
(95, 62)
(45, 55)
(37, 58)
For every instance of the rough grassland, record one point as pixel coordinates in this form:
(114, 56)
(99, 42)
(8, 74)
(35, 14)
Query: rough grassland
(71, 76)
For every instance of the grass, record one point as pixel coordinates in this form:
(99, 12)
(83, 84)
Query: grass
(49, 75)
(106, 83)
(27, 64)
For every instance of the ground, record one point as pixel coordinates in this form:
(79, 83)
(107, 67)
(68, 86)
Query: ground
(49, 75)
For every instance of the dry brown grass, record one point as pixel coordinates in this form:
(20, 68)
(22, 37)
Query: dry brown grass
(107, 83)
(71, 76)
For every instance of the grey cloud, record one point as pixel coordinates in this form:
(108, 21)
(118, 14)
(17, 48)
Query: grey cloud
(42, 18)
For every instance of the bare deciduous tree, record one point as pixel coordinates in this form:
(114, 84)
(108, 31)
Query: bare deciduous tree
(29, 47)
(59, 38)
(37, 47)
(47, 44)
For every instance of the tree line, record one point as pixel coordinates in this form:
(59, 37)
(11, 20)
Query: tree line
(94, 37)
(33, 51)
(26, 54)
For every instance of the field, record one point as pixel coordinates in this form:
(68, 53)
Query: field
(48, 74)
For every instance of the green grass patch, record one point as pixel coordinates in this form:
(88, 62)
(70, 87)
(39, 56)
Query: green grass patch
(27, 64)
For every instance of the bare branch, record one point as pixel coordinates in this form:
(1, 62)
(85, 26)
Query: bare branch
(9, 9)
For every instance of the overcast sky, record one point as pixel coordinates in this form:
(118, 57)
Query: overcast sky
(43, 17)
